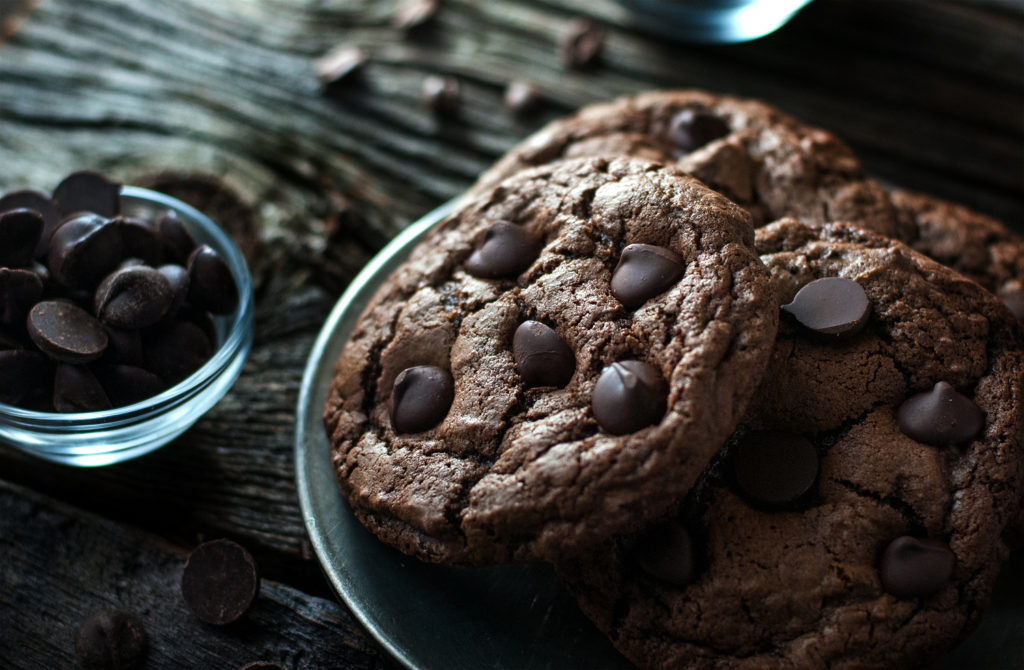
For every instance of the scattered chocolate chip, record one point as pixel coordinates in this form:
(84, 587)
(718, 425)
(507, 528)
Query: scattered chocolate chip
(340, 64)
(20, 372)
(111, 640)
(541, 356)
(506, 250)
(133, 297)
(219, 582)
(774, 467)
(66, 332)
(76, 389)
(129, 384)
(441, 95)
(37, 202)
(211, 284)
(19, 290)
(941, 417)
(644, 271)
(692, 128)
(20, 230)
(413, 13)
(177, 242)
(522, 97)
(833, 306)
(87, 192)
(666, 552)
(175, 350)
(582, 43)
(912, 567)
(1012, 295)
(420, 398)
(628, 396)
(84, 250)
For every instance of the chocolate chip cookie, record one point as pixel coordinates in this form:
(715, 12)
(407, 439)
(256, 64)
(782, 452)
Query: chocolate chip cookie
(768, 162)
(557, 362)
(860, 513)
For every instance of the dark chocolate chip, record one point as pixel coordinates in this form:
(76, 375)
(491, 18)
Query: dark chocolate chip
(441, 95)
(219, 582)
(541, 356)
(175, 350)
(506, 250)
(211, 284)
(65, 332)
(177, 279)
(941, 417)
(582, 44)
(111, 640)
(128, 384)
(340, 64)
(666, 552)
(413, 13)
(123, 347)
(19, 290)
(139, 240)
(177, 241)
(133, 297)
(37, 202)
(87, 192)
(912, 567)
(628, 396)
(774, 467)
(691, 129)
(522, 97)
(420, 398)
(76, 389)
(833, 306)
(20, 231)
(84, 250)
(644, 271)
(20, 373)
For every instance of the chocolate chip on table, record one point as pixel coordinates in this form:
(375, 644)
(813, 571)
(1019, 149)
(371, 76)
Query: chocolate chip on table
(129, 384)
(542, 357)
(340, 64)
(175, 350)
(20, 370)
(628, 396)
(774, 467)
(84, 250)
(441, 95)
(506, 250)
(19, 290)
(211, 284)
(420, 398)
(913, 567)
(20, 230)
(133, 297)
(832, 306)
(692, 128)
(177, 241)
(76, 389)
(219, 582)
(644, 271)
(582, 43)
(37, 202)
(413, 13)
(66, 332)
(521, 97)
(87, 191)
(941, 417)
(111, 640)
(667, 553)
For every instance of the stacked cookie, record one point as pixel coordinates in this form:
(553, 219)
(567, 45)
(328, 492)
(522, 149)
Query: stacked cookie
(674, 345)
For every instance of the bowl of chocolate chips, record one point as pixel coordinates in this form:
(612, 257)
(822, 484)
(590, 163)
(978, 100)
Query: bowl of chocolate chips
(125, 315)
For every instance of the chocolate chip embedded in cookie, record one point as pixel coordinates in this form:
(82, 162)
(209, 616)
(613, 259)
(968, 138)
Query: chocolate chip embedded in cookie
(860, 513)
(512, 392)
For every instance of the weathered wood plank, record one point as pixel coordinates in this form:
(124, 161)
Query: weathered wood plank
(58, 565)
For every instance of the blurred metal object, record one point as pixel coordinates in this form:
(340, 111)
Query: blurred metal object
(713, 21)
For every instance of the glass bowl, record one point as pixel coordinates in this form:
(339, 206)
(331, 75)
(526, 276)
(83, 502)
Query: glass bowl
(89, 439)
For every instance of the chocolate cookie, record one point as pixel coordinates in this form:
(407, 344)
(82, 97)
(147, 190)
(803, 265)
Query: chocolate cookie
(859, 515)
(754, 154)
(557, 362)
(970, 243)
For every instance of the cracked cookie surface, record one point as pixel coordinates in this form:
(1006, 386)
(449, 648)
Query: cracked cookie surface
(809, 580)
(516, 470)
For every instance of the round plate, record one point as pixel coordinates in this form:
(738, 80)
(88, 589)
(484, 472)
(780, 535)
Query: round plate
(432, 617)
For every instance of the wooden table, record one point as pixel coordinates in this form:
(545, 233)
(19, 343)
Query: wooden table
(217, 102)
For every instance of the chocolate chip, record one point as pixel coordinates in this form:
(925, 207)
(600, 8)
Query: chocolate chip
(666, 552)
(66, 332)
(20, 372)
(941, 417)
(139, 240)
(177, 279)
(87, 191)
(340, 64)
(441, 95)
(912, 567)
(37, 202)
(506, 250)
(211, 284)
(175, 350)
(582, 43)
(420, 398)
(219, 582)
(111, 640)
(522, 97)
(413, 13)
(128, 384)
(19, 290)
(644, 271)
(774, 467)
(84, 250)
(20, 230)
(76, 389)
(628, 396)
(691, 129)
(833, 306)
(541, 356)
(123, 347)
(133, 297)
(177, 241)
